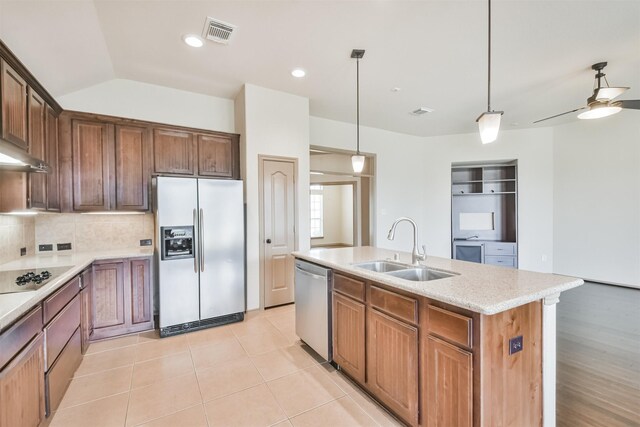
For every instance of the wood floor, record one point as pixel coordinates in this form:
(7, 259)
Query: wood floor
(598, 357)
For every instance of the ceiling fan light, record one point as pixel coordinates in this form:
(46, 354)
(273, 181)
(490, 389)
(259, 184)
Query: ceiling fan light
(599, 110)
(357, 162)
(489, 125)
(609, 93)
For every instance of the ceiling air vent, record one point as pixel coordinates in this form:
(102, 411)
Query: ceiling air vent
(218, 31)
(422, 110)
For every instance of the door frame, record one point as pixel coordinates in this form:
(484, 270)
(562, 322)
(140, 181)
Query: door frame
(355, 209)
(261, 159)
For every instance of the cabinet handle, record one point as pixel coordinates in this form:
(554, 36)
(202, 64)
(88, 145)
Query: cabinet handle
(196, 251)
(201, 232)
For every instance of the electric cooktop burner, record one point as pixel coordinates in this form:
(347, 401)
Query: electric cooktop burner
(27, 280)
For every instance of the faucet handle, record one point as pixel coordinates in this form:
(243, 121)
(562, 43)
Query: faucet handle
(423, 255)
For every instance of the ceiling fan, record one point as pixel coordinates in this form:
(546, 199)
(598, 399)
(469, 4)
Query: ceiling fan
(601, 103)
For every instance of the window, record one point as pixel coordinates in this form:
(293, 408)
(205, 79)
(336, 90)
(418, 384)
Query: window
(316, 211)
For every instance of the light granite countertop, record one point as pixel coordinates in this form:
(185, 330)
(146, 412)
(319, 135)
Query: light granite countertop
(13, 306)
(480, 288)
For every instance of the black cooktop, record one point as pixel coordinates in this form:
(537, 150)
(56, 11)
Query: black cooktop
(28, 279)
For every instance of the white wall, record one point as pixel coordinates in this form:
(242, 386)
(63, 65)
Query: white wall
(597, 199)
(346, 221)
(143, 101)
(271, 123)
(337, 210)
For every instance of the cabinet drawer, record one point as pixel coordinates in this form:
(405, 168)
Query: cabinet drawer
(396, 305)
(348, 286)
(58, 378)
(57, 301)
(505, 261)
(499, 248)
(18, 335)
(60, 329)
(452, 326)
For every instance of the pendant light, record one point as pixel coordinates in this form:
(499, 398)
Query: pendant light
(489, 121)
(357, 160)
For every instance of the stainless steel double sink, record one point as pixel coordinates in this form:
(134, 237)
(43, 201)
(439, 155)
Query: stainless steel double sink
(404, 271)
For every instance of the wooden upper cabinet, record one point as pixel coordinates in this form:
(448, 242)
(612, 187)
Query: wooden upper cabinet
(37, 148)
(52, 158)
(132, 156)
(92, 145)
(14, 106)
(218, 156)
(173, 152)
(348, 336)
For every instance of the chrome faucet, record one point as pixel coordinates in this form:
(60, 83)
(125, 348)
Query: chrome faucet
(416, 256)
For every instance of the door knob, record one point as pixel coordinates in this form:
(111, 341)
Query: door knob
(268, 240)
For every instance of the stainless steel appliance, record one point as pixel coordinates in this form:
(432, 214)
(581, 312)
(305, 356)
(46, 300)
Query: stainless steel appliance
(313, 301)
(468, 250)
(200, 251)
(27, 280)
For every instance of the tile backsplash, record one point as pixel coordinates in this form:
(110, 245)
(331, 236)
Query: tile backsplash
(16, 232)
(94, 232)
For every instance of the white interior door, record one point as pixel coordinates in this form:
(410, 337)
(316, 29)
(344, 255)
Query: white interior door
(278, 216)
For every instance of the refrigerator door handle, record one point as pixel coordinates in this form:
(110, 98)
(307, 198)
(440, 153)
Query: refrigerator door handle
(197, 251)
(200, 239)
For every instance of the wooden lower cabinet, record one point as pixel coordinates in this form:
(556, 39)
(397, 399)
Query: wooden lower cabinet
(60, 374)
(22, 397)
(86, 309)
(392, 364)
(348, 336)
(447, 398)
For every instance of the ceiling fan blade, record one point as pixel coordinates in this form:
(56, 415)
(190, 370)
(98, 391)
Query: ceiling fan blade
(633, 104)
(609, 93)
(561, 114)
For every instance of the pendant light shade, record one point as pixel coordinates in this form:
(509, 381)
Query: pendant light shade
(599, 110)
(489, 121)
(357, 160)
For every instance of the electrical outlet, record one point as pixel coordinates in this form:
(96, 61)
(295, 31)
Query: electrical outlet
(23, 251)
(515, 345)
(45, 248)
(145, 242)
(64, 246)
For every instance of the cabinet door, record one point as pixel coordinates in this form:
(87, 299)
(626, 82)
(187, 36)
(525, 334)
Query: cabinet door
(448, 396)
(22, 387)
(392, 364)
(14, 106)
(173, 152)
(132, 168)
(37, 148)
(217, 156)
(53, 183)
(108, 299)
(86, 319)
(92, 151)
(348, 336)
(141, 301)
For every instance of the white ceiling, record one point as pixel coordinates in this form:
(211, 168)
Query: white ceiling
(435, 51)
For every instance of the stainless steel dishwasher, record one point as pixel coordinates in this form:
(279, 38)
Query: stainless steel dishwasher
(313, 304)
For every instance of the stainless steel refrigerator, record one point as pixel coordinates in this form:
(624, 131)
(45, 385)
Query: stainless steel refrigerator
(200, 250)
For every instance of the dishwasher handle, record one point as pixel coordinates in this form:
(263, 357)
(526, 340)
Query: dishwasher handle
(306, 273)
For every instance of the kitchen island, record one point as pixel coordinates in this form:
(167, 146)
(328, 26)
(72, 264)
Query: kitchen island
(476, 348)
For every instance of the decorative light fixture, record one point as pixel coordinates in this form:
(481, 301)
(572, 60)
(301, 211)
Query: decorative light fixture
(298, 72)
(600, 109)
(489, 121)
(357, 160)
(193, 40)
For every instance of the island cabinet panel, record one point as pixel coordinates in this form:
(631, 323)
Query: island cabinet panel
(13, 91)
(37, 148)
(92, 144)
(218, 156)
(173, 152)
(108, 298)
(349, 336)
(447, 393)
(52, 158)
(349, 286)
(132, 156)
(398, 306)
(451, 326)
(22, 387)
(392, 364)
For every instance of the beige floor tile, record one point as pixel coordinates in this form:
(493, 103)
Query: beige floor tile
(228, 378)
(279, 310)
(163, 398)
(96, 347)
(209, 336)
(260, 343)
(374, 410)
(284, 319)
(281, 362)
(162, 347)
(342, 412)
(161, 369)
(284, 423)
(190, 417)
(253, 407)
(149, 336)
(304, 390)
(289, 332)
(340, 379)
(108, 412)
(210, 356)
(255, 325)
(109, 359)
(96, 386)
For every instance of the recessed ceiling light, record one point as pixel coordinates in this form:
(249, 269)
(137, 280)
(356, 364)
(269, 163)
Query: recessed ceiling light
(298, 72)
(193, 40)
(396, 89)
